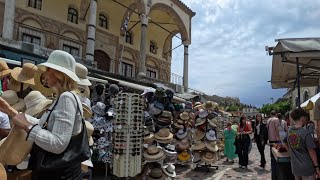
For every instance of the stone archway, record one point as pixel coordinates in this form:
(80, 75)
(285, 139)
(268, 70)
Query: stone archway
(103, 60)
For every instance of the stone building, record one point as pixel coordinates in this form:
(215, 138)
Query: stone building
(93, 32)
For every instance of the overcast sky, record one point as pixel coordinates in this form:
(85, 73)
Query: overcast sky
(227, 56)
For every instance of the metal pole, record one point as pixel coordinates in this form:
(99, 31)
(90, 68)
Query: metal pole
(298, 81)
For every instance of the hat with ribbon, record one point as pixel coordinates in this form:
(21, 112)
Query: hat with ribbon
(25, 74)
(211, 135)
(184, 156)
(41, 84)
(170, 150)
(184, 144)
(200, 121)
(13, 100)
(182, 133)
(198, 146)
(99, 109)
(169, 170)
(203, 113)
(164, 136)
(3, 173)
(154, 154)
(208, 157)
(82, 73)
(16, 86)
(35, 103)
(184, 116)
(212, 146)
(4, 69)
(156, 174)
(199, 134)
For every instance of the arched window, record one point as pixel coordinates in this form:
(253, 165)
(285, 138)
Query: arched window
(73, 15)
(153, 47)
(35, 4)
(305, 96)
(129, 37)
(103, 21)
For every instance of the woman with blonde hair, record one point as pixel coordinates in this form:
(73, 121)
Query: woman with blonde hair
(59, 144)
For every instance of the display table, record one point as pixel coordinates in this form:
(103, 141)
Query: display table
(283, 165)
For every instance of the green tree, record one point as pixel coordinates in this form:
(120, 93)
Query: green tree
(281, 107)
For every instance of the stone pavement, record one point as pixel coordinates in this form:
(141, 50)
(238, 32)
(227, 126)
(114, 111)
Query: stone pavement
(229, 171)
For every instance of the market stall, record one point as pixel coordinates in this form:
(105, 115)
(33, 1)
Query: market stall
(283, 164)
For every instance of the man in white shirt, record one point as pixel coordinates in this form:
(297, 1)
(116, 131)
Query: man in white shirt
(4, 125)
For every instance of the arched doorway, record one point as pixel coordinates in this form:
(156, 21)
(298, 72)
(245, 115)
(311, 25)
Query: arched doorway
(102, 59)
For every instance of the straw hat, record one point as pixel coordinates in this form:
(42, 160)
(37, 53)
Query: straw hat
(211, 135)
(184, 144)
(170, 150)
(40, 84)
(179, 124)
(184, 156)
(156, 174)
(208, 157)
(82, 73)
(90, 130)
(4, 69)
(35, 103)
(63, 62)
(3, 173)
(198, 145)
(203, 113)
(181, 133)
(210, 105)
(148, 136)
(13, 100)
(153, 154)
(184, 116)
(86, 106)
(16, 86)
(200, 121)
(163, 134)
(166, 114)
(199, 134)
(196, 156)
(213, 122)
(212, 146)
(15, 148)
(169, 170)
(25, 74)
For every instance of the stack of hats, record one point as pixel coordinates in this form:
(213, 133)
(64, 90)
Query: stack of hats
(167, 171)
(164, 120)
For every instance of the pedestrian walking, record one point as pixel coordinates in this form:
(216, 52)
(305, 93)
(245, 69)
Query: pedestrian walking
(261, 138)
(229, 139)
(282, 127)
(301, 146)
(243, 138)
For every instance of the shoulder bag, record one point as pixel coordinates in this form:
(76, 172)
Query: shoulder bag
(76, 152)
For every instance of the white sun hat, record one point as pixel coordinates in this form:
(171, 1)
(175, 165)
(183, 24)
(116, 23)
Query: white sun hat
(82, 73)
(35, 103)
(63, 62)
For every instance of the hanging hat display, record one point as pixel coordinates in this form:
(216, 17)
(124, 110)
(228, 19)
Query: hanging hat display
(164, 136)
(82, 73)
(41, 84)
(99, 109)
(16, 86)
(25, 74)
(184, 116)
(198, 146)
(170, 150)
(211, 135)
(199, 134)
(13, 100)
(35, 103)
(182, 133)
(4, 69)
(203, 113)
(212, 146)
(154, 154)
(169, 170)
(208, 157)
(156, 174)
(184, 156)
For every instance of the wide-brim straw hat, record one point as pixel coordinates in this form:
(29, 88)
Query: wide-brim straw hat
(153, 154)
(199, 134)
(200, 121)
(184, 116)
(148, 138)
(16, 86)
(184, 156)
(210, 105)
(90, 130)
(166, 114)
(40, 84)
(169, 170)
(63, 62)
(184, 144)
(13, 100)
(82, 73)
(212, 146)
(15, 148)
(163, 134)
(3, 173)
(4, 69)
(156, 174)
(87, 111)
(35, 103)
(198, 146)
(208, 157)
(178, 126)
(25, 74)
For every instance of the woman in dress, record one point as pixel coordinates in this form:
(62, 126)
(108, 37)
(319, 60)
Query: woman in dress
(261, 138)
(229, 147)
(244, 130)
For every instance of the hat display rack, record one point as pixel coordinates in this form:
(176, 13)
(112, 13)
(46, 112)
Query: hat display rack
(128, 133)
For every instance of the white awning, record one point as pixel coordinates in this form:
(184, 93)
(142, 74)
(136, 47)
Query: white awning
(310, 103)
(103, 81)
(10, 61)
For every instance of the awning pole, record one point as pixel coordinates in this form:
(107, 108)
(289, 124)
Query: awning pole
(298, 81)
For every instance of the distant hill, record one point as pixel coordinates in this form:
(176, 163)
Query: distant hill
(229, 103)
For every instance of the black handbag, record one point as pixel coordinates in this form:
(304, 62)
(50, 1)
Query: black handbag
(77, 151)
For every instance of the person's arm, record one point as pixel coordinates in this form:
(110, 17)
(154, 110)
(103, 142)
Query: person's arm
(63, 116)
(250, 129)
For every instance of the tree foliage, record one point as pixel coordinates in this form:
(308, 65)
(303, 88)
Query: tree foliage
(280, 107)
